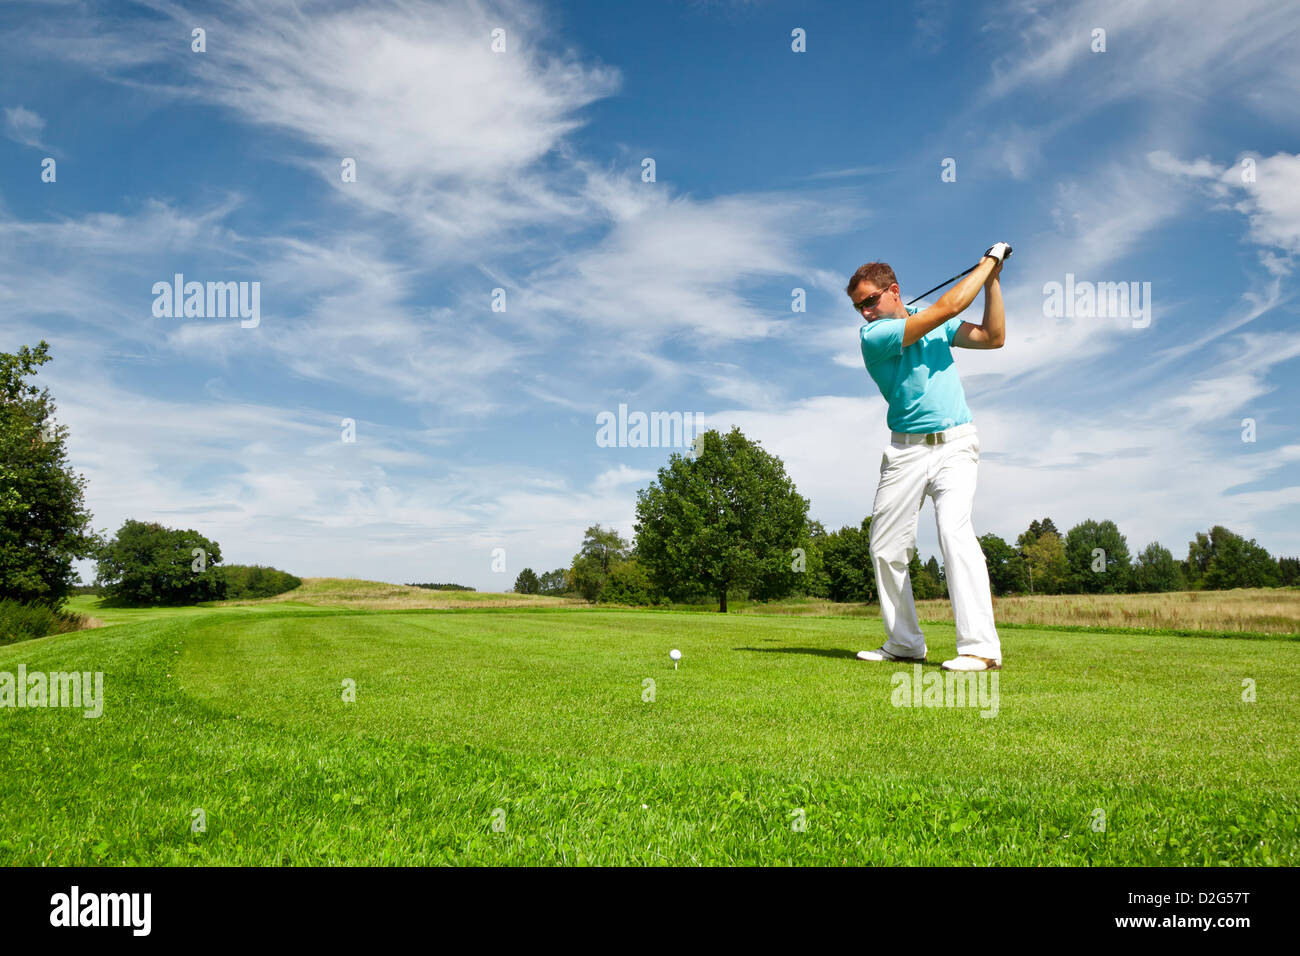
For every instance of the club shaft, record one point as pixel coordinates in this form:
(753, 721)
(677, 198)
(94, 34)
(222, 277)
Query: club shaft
(946, 281)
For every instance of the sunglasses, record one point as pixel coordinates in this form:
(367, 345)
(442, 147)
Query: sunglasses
(869, 302)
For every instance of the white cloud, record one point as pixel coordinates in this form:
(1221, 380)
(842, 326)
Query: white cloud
(1021, 149)
(24, 126)
(1256, 305)
(620, 477)
(1189, 50)
(1269, 191)
(1238, 380)
(1272, 200)
(673, 267)
(462, 145)
(333, 310)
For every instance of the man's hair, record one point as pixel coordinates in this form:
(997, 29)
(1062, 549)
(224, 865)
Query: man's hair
(877, 273)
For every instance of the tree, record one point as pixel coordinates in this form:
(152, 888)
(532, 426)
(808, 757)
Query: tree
(584, 577)
(1199, 552)
(602, 548)
(1098, 559)
(44, 523)
(1045, 559)
(628, 583)
(1156, 570)
(1008, 573)
(814, 580)
(605, 545)
(244, 582)
(1238, 563)
(803, 572)
(147, 564)
(924, 586)
(851, 575)
(1288, 570)
(1223, 559)
(936, 572)
(552, 582)
(527, 583)
(727, 518)
(1039, 528)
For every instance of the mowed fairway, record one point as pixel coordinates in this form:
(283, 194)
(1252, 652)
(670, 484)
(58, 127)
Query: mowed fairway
(536, 720)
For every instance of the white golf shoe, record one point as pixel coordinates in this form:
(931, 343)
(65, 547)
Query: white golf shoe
(883, 655)
(969, 662)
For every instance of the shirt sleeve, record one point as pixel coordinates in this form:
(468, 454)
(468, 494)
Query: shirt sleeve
(882, 339)
(951, 328)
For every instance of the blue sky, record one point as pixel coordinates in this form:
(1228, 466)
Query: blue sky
(1170, 159)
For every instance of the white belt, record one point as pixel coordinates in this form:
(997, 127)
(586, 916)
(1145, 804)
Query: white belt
(932, 438)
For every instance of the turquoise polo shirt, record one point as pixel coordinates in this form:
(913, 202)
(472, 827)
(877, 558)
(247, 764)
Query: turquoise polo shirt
(920, 381)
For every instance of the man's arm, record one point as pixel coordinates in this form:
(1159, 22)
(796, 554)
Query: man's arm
(992, 334)
(950, 304)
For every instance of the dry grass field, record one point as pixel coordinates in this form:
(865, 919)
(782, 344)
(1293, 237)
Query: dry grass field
(360, 595)
(1242, 610)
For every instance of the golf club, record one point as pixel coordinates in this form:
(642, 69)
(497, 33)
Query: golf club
(958, 276)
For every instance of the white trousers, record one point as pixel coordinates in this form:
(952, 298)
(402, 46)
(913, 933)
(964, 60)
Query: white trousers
(945, 471)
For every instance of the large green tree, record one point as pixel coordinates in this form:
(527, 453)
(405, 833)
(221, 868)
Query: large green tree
(147, 564)
(1238, 563)
(1224, 559)
(725, 518)
(44, 523)
(1098, 559)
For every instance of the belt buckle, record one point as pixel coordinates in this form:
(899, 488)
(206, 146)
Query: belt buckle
(933, 438)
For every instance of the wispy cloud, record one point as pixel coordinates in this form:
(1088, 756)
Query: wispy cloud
(676, 268)
(1266, 189)
(24, 126)
(1190, 49)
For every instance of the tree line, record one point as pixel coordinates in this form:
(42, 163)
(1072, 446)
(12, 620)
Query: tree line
(727, 520)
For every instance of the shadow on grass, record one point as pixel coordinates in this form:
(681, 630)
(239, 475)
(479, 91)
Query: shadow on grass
(825, 652)
(817, 651)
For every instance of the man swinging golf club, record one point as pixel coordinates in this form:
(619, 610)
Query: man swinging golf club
(934, 450)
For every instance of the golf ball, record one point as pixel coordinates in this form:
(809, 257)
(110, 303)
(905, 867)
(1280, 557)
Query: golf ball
(675, 654)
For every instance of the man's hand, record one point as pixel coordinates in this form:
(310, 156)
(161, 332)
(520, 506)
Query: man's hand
(951, 303)
(999, 251)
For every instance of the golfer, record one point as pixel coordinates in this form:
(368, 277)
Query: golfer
(934, 450)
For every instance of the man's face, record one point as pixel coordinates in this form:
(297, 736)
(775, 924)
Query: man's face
(876, 303)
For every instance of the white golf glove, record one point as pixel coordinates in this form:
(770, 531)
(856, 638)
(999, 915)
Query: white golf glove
(999, 251)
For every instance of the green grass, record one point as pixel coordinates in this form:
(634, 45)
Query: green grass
(539, 713)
